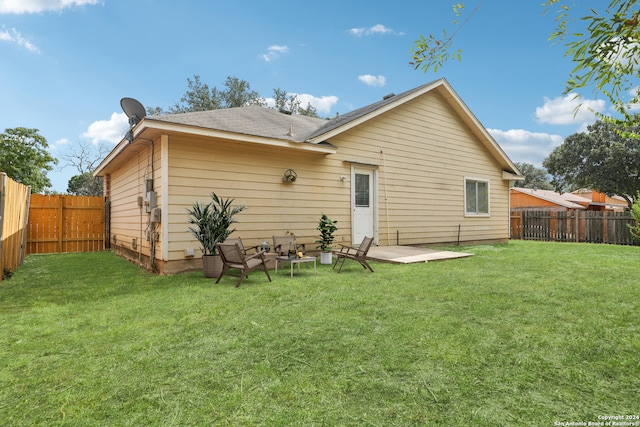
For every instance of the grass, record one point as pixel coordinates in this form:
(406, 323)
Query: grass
(524, 333)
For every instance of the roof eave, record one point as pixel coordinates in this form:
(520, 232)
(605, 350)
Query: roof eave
(457, 104)
(164, 127)
(366, 117)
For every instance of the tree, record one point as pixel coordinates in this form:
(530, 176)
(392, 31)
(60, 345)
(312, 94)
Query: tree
(84, 158)
(155, 111)
(534, 177)
(284, 101)
(431, 53)
(85, 185)
(24, 158)
(635, 213)
(602, 159)
(310, 111)
(199, 97)
(606, 52)
(604, 46)
(238, 93)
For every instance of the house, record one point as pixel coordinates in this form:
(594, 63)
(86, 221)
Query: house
(534, 199)
(414, 168)
(589, 200)
(601, 202)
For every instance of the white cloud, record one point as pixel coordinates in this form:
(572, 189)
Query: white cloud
(13, 36)
(376, 29)
(570, 109)
(59, 143)
(370, 80)
(274, 52)
(634, 106)
(322, 104)
(37, 6)
(525, 146)
(619, 51)
(111, 130)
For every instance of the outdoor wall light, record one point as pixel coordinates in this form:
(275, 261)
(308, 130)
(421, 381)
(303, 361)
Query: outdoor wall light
(343, 178)
(289, 176)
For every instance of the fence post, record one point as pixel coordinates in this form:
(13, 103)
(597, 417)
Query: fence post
(23, 244)
(60, 208)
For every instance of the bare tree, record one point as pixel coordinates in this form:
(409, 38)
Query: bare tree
(84, 157)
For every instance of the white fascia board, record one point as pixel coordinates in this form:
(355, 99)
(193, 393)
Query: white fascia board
(214, 133)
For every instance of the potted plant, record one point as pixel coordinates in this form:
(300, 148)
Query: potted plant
(210, 225)
(326, 227)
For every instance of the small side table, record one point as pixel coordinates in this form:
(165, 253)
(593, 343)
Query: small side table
(298, 261)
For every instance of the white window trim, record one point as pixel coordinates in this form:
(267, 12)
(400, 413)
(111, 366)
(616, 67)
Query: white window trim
(464, 206)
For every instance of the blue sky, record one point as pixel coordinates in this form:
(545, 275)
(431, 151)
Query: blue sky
(65, 64)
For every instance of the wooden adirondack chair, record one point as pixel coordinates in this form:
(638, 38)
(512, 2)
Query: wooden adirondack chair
(238, 240)
(281, 245)
(233, 257)
(358, 254)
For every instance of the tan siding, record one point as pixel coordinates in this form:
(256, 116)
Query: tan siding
(253, 177)
(128, 221)
(428, 152)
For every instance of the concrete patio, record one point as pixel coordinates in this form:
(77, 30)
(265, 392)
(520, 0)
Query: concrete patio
(411, 254)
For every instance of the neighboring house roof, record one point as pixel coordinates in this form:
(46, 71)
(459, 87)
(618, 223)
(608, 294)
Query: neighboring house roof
(566, 200)
(571, 197)
(259, 124)
(600, 199)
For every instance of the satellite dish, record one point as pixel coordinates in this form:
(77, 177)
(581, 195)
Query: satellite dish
(133, 109)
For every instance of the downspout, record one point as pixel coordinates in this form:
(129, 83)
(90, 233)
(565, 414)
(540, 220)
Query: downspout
(152, 230)
(139, 248)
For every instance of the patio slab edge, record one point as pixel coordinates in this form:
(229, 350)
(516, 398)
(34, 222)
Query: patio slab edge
(411, 254)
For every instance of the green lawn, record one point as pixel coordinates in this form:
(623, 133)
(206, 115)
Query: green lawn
(522, 334)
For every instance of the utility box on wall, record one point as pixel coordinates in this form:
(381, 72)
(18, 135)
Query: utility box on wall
(150, 200)
(156, 215)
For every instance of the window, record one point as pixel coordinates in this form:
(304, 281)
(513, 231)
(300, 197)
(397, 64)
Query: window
(362, 190)
(476, 196)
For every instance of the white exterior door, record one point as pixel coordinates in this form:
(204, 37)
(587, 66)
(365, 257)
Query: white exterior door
(363, 203)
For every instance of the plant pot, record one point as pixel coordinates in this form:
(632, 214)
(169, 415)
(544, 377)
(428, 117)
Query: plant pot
(326, 258)
(211, 265)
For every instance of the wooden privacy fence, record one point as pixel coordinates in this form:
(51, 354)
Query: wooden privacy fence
(14, 208)
(573, 226)
(65, 224)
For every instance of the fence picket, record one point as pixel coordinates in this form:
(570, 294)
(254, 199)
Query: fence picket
(14, 205)
(573, 226)
(65, 224)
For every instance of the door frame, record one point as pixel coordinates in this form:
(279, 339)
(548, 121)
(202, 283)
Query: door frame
(373, 170)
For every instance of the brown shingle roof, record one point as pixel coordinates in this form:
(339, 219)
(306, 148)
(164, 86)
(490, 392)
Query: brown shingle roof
(252, 120)
(266, 122)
